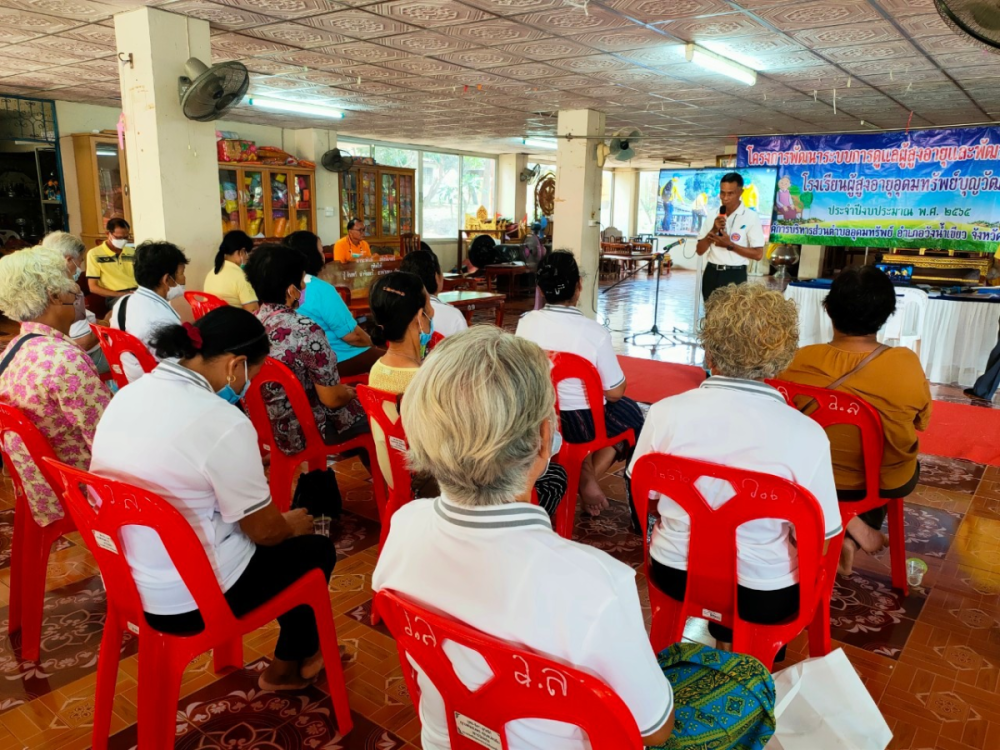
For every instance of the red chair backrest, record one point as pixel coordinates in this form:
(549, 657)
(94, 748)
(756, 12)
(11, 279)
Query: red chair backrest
(840, 408)
(203, 303)
(345, 294)
(274, 371)
(567, 366)
(121, 505)
(712, 554)
(524, 685)
(374, 403)
(115, 343)
(436, 339)
(14, 422)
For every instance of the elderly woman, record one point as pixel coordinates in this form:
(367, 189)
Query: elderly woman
(44, 373)
(890, 379)
(735, 419)
(73, 251)
(277, 274)
(483, 554)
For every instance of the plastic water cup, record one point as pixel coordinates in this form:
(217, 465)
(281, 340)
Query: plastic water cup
(321, 525)
(915, 570)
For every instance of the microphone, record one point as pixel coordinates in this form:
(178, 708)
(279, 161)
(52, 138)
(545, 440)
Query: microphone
(722, 212)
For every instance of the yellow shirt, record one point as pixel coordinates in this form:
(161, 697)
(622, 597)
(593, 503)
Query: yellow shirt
(230, 284)
(390, 379)
(894, 384)
(115, 271)
(344, 249)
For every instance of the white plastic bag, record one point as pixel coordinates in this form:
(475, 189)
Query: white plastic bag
(821, 704)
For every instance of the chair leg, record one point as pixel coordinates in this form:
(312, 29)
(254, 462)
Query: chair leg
(897, 546)
(566, 512)
(281, 480)
(331, 660)
(107, 679)
(228, 655)
(668, 624)
(159, 688)
(34, 557)
(819, 629)
(18, 547)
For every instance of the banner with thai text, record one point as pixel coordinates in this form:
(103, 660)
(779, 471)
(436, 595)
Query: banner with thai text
(929, 188)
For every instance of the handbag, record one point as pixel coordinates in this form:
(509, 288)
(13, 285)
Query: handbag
(722, 701)
(318, 493)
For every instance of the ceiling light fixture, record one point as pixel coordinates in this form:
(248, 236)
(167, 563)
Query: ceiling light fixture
(280, 105)
(719, 64)
(540, 143)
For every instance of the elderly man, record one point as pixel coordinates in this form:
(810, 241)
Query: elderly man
(735, 419)
(353, 246)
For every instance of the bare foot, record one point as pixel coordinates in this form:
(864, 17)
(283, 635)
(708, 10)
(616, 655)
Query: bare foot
(312, 666)
(282, 675)
(594, 502)
(846, 565)
(869, 539)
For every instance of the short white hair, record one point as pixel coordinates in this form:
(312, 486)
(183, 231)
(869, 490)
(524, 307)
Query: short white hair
(68, 244)
(473, 414)
(28, 278)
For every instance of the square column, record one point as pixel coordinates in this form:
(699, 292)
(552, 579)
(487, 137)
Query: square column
(172, 166)
(577, 213)
(626, 200)
(512, 195)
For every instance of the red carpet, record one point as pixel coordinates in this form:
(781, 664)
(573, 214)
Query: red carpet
(956, 430)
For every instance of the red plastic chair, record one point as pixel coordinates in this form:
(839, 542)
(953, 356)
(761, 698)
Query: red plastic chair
(436, 339)
(840, 408)
(712, 557)
(32, 544)
(399, 490)
(572, 455)
(345, 293)
(316, 451)
(163, 657)
(115, 343)
(202, 303)
(525, 684)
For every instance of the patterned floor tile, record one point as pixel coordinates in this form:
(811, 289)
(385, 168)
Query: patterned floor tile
(612, 532)
(363, 614)
(866, 612)
(953, 474)
(932, 497)
(7, 533)
(353, 533)
(977, 544)
(929, 531)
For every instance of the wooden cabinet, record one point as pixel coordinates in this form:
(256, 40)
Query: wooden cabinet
(383, 197)
(102, 179)
(266, 201)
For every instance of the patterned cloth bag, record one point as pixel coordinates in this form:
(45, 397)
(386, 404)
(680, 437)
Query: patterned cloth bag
(724, 701)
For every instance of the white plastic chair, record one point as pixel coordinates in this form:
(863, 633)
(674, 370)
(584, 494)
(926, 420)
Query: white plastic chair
(906, 325)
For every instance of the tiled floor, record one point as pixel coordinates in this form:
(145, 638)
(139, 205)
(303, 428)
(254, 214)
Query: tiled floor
(931, 660)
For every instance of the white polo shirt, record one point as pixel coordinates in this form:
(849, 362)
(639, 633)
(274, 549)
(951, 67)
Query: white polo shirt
(744, 424)
(558, 328)
(448, 320)
(146, 312)
(502, 570)
(171, 434)
(81, 328)
(743, 228)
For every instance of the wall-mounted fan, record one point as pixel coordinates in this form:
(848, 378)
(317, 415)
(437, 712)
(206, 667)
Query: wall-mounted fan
(336, 160)
(621, 147)
(208, 93)
(979, 19)
(530, 174)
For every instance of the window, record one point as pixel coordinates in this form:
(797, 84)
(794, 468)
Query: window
(621, 212)
(441, 200)
(543, 169)
(646, 219)
(478, 184)
(355, 149)
(396, 157)
(607, 185)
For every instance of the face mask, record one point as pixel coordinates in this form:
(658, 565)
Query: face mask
(175, 291)
(232, 396)
(554, 445)
(77, 272)
(79, 309)
(425, 338)
(119, 243)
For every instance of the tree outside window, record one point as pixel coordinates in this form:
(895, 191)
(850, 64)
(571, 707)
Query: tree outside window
(441, 199)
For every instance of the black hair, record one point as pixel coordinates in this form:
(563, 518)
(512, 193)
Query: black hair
(425, 264)
(305, 242)
(860, 301)
(395, 300)
(352, 222)
(225, 330)
(156, 258)
(273, 268)
(117, 223)
(557, 276)
(733, 177)
(232, 243)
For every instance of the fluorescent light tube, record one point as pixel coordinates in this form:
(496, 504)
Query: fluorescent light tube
(280, 105)
(540, 143)
(719, 64)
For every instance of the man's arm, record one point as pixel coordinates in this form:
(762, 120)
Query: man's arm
(97, 288)
(753, 253)
(713, 233)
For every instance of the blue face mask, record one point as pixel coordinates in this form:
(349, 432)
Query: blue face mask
(232, 396)
(554, 445)
(425, 338)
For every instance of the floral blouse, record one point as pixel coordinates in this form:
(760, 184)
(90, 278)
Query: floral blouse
(300, 344)
(55, 384)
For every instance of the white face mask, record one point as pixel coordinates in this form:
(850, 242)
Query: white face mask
(119, 243)
(175, 291)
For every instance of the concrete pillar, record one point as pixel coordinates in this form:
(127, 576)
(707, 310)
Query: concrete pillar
(512, 193)
(577, 214)
(172, 167)
(811, 261)
(311, 144)
(626, 200)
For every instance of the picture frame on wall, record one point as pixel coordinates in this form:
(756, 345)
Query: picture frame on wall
(726, 161)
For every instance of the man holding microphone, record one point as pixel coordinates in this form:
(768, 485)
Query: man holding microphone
(731, 241)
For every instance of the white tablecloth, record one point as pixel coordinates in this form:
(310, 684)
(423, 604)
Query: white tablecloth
(955, 340)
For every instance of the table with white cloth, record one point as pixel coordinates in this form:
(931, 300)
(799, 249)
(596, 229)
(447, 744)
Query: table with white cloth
(956, 334)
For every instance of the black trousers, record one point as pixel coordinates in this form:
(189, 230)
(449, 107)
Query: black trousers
(762, 607)
(876, 516)
(271, 571)
(987, 383)
(714, 278)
